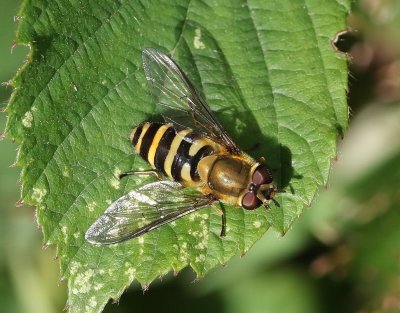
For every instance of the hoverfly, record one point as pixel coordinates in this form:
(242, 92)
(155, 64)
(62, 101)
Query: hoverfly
(191, 149)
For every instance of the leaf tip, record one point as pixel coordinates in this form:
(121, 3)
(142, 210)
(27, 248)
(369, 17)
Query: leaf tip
(27, 59)
(7, 83)
(17, 18)
(283, 231)
(19, 203)
(13, 46)
(116, 301)
(199, 278)
(145, 287)
(66, 307)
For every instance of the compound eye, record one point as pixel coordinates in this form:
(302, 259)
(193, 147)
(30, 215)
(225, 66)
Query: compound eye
(250, 201)
(262, 175)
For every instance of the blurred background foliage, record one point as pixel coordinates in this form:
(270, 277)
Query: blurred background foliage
(343, 255)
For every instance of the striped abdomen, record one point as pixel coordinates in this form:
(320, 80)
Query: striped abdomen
(174, 153)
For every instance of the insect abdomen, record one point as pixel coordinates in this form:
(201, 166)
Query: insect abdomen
(175, 154)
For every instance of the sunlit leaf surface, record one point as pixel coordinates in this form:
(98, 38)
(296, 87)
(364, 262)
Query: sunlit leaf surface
(266, 68)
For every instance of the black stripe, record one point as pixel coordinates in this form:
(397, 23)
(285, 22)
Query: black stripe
(182, 155)
(148, 139)
(163, 148)
(137, 135)
(194, 161)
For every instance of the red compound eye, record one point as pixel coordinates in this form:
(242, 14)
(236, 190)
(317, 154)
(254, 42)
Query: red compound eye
(262, 175)
(250, 201)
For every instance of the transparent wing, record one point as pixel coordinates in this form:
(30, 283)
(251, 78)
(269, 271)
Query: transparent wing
(143, 210)
(177, 99)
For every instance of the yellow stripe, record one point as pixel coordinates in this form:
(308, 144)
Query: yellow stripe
(172, 151)
(154, 144)
(132, 134)
(139, 143)
(196, 146)
(185, 172)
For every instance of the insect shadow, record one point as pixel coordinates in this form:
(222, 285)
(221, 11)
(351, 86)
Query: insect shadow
(251, 139)
(212, 74)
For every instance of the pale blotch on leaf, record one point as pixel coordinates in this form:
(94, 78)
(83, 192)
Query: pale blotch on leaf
(76, 235)
(64, 230)
(91, 206)
(91, 304)
(65, 172)
(82, 282)
(202, 244)
(141, 240)
(198, 44)
(203, 236)
(27, 119)
(193, 216)
(38, 194)
(114, 182)
(98, 286)
(257, 224)
(117, 172)
(184, 255)
(130, 272)
(204, 216)
(200, 258)
(74, 267)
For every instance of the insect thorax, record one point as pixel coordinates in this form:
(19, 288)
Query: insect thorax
(226, 176)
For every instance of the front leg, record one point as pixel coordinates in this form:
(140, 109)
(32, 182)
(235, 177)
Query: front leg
(141, 173)
(221, 211)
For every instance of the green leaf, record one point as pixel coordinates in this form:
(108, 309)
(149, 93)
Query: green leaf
(268, 70)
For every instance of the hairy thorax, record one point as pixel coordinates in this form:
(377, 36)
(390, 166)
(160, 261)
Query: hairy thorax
(227, 177)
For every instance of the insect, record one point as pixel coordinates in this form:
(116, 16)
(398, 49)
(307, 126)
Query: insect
(191, 149)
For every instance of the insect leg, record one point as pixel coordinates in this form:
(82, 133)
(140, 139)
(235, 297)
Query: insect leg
(221, 211)
(276, 202)
(223, 224)
(266, 205)
(141, 173)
